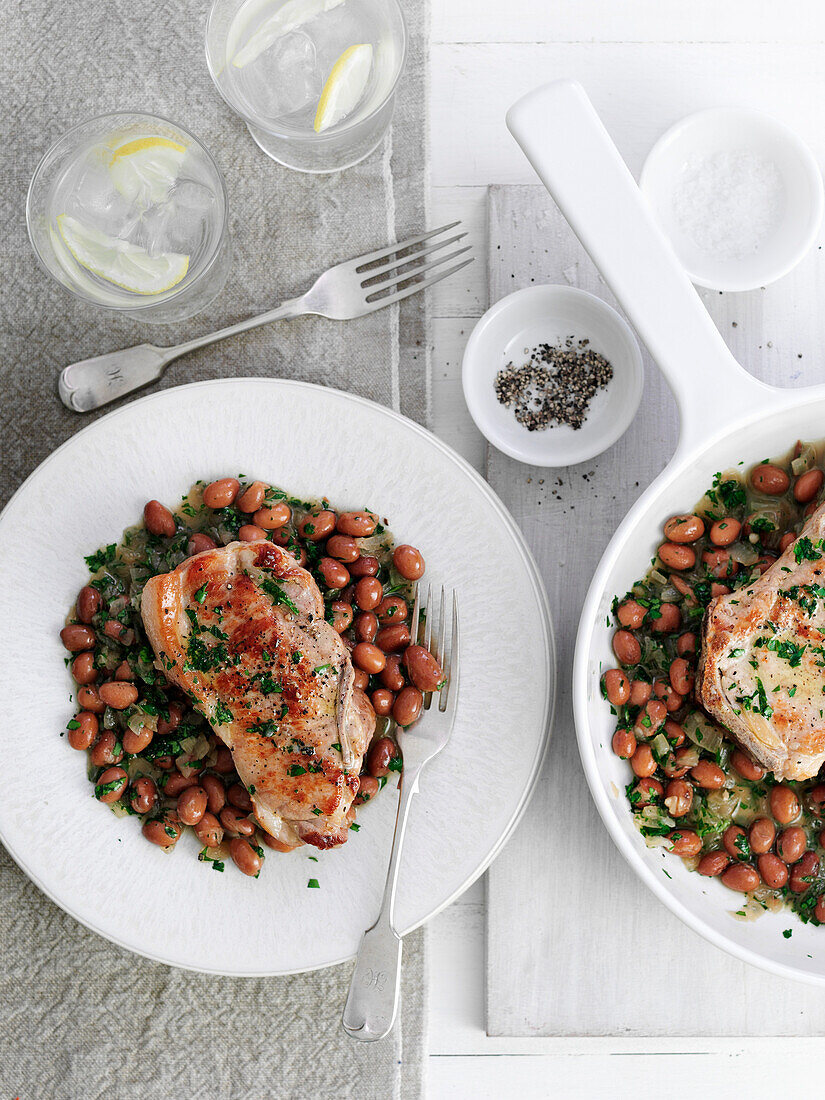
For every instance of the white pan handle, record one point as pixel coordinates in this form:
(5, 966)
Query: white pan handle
(565, 141)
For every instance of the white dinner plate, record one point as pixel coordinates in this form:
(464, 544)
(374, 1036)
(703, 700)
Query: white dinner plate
(314, 442)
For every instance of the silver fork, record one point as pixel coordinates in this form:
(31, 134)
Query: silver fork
(349, 290)
(372, 1001)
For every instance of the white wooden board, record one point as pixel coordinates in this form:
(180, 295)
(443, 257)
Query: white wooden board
(651, 21)
(575, 944)
(637, 90)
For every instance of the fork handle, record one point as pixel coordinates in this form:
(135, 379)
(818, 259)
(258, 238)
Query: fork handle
(372, 1001)
(90, 383)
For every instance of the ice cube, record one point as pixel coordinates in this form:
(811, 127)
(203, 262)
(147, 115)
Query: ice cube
(283, 79)
(155, 229)
(191, 195)
(94, 200)
(181, 223)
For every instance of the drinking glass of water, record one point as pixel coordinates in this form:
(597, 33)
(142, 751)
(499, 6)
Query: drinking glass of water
(128, 211)
(314, 80)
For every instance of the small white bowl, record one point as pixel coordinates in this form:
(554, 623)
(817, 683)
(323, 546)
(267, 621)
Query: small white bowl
(549, 315)
(800, 197)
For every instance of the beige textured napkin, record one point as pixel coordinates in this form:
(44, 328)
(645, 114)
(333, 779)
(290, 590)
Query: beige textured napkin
(82, 1018)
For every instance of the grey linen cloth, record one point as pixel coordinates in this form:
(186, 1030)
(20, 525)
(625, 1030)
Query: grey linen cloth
(82, 1018)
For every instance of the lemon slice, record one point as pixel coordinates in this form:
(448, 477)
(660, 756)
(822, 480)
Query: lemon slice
(146, 169)
(345, 86)
(292, 15)
(126, 265)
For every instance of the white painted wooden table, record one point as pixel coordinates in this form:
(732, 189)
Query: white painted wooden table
(645, 64)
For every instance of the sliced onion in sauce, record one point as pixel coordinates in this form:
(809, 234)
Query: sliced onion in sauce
(139, 719)
(744, 553)
(805, 461)
(702, 731)
(723, 804)
(660, 746)
(654, 817)
(778, 512)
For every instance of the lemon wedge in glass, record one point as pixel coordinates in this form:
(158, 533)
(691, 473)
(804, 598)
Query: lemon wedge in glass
(345, 86)
(146, 169)
(293, 14)
(125, 265)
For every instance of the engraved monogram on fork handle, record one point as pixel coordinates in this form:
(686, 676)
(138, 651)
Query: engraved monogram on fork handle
(94, 382)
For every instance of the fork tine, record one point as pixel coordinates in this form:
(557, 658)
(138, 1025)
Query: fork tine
(384, 274)
(378, 303)
(415, 613)
(428, 622)
(449, 693)
(433, 637)
(442, 627)
(405, 278)
(385, 253)
(438, 648)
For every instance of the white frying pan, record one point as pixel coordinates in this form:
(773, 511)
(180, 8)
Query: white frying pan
(726, 416)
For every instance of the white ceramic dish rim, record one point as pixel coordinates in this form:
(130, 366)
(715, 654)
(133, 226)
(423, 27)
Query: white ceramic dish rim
(475, 347)
(808, 166)
(541, 602)
(656, 293)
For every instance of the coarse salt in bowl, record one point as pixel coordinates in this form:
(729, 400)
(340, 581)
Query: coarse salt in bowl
(739, 195)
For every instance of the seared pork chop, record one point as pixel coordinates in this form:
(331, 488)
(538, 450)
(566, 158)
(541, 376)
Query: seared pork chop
(241, 629)
(762, 669)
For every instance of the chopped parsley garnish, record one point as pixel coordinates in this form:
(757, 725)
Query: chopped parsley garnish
(296, 769)
(277, 595)
(787, 650)
(805, 550)
(107, 788)
(758, 702)
(806, 595)
(742, 846)
(223, 714)
(200, 595)
(702, 592)
(202, 658)
(104, 556)
(762, 525)
(267, 683)
(266, 729)
(313, 884)
(729, 492)
(217, 864)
